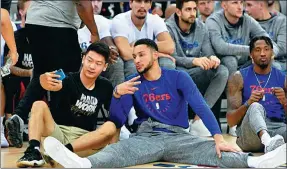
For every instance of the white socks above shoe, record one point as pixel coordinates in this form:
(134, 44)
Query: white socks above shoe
(265, 139)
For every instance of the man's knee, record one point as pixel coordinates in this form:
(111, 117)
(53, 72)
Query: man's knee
(231, 63)
(166, 63)
(39, 107)
(223, 71)
(256, 107)
(108, 129)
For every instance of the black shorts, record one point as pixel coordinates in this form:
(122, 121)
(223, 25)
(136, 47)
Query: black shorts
(6, 4)
(54, 48)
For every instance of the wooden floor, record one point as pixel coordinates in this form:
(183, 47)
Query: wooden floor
(10, 155)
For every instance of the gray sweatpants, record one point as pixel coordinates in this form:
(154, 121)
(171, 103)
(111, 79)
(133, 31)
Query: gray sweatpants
(130, 68)
(211, 83)
(115, 72)
(253, 122)
(232, 63)
(147, 146)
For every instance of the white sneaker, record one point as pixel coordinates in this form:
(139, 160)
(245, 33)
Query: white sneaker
(4, 142)
(232, 131)
(57, 151)
(198, 128)
(273, 159)
(275, 142)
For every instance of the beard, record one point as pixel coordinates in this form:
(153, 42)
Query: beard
(263, 66)
(148, 67)
(188, 21)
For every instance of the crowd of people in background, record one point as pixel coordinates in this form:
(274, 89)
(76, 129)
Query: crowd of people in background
(159, 70)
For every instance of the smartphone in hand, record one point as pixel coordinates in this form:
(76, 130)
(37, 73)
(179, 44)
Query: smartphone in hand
(61, 73)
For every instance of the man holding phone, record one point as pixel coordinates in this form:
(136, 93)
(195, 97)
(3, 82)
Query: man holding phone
(72, 116)
(257, 100)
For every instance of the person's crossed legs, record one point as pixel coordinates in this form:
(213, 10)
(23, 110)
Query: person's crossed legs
(42, 124)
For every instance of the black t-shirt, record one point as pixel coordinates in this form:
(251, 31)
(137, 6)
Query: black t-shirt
(23, 48)
(74, 105)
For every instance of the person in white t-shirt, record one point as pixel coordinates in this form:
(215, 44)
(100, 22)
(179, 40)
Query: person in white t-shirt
(116, 66)
(137, 24)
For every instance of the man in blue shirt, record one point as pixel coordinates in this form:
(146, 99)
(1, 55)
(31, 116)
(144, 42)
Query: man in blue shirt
(160, 98)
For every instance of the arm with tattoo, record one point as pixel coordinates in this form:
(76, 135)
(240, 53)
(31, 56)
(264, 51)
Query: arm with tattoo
(21, 72)
(235, 110)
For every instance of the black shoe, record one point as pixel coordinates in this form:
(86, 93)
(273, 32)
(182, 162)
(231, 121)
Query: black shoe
(32, 158)
(15, 126)
(49, 160)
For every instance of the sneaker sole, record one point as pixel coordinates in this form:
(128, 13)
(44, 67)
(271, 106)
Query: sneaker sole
(49, 160)
(14, 126)
(277, 158)
(34, 163)
(56, 150)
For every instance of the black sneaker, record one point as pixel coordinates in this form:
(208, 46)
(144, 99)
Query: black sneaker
(49, 160)
(32, 158)
(15, 126)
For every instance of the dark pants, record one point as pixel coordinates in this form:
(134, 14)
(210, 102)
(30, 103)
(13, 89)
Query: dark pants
(6, 4)
(12, 86)
(52, 49)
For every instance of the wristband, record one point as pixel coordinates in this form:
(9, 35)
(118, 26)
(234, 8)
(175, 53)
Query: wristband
(246, 104)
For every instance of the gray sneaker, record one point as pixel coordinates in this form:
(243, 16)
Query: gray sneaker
(275, 142)
(15, 126)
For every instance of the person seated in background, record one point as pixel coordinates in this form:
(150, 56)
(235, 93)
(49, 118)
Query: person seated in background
(161, 96)
(230, 32)
(72, 116)
(205, 8)
(115, 70)
(274, 24)
(138, 23)
(257, 101)
(194, 54)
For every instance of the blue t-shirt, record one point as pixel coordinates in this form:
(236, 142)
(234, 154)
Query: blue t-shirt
(164, 100)
(274, 109)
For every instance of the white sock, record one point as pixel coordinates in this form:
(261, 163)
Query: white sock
(86, 163)
(2, 117)
(252, 161)
(265, 139)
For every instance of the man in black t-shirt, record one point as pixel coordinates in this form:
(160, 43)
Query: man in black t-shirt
(72, 117)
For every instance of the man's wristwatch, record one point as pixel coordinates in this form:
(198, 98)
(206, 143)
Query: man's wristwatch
(246, 104)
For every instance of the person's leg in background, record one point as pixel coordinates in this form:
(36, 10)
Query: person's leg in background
(115, 72)
(253, 134)
(129, 68)
(166, 63)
